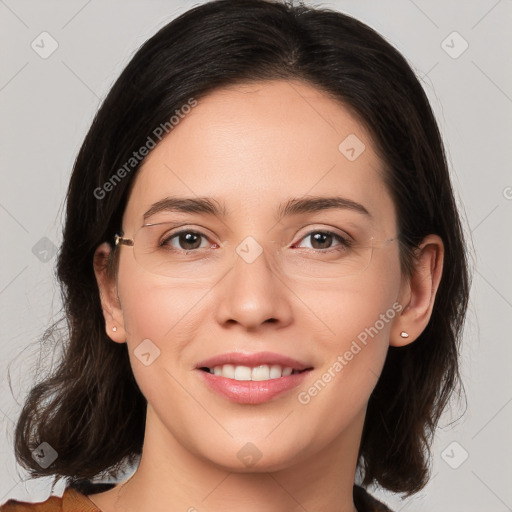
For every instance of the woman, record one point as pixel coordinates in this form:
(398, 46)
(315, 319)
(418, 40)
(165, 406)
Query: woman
(264, 275)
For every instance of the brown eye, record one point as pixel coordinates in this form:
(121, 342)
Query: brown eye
(186, 240)
(325, 240)
(321, 240)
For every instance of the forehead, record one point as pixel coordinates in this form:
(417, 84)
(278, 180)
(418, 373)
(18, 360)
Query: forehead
(252, 147)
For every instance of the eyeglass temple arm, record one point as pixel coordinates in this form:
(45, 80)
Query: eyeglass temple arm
(119, 240)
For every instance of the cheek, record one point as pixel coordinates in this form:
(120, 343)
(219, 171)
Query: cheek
(343, 311)
(162, 315)
(163, 312)
(356, 318)
(357, 339)
(154, 307)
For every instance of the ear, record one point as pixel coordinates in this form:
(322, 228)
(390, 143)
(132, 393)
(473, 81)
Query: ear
(418, 293)
(110, 303)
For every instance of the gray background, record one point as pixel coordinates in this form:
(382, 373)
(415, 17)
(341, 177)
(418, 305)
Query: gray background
(46, 106)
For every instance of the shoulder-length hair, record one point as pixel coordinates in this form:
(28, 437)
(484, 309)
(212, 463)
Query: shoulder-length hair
(90, 409)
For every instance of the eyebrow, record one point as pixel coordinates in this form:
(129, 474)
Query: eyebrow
(210, 206)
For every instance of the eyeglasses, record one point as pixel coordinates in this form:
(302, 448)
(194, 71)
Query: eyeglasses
(165, 250)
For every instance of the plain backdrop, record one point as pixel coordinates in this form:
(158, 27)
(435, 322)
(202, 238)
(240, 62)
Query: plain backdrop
(460, 50)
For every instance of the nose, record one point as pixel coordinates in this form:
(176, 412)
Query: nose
(253, 293)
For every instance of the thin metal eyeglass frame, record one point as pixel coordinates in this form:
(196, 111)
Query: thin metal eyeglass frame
(130, 242)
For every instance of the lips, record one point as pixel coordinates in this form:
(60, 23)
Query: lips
(252, 378)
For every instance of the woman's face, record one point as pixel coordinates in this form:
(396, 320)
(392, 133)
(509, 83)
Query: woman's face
(251, 150)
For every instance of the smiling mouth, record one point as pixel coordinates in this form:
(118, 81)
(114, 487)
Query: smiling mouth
(257, 373)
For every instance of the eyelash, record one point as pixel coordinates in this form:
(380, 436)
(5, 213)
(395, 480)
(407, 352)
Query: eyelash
(344, 243)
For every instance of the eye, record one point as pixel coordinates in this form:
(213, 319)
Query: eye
(325, 239)
(186, 240)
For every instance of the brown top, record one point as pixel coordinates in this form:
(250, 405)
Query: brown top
(74, 501)
(71, 501)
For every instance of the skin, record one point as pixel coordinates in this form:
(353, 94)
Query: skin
(251, 148)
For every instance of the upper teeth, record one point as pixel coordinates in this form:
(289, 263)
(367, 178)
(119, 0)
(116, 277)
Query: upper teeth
(263, 372)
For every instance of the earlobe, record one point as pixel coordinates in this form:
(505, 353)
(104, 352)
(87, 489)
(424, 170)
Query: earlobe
(110, 304)
(419, 292)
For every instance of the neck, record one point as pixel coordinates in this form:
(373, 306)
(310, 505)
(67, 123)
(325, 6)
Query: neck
(174, 478)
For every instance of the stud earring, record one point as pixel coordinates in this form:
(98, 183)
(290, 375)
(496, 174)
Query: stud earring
(114, 329)
(404, 334)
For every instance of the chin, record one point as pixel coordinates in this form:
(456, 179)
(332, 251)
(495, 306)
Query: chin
(254, 456)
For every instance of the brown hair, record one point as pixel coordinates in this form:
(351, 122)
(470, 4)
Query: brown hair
(216, 44)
